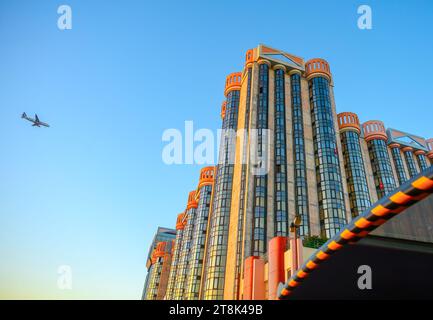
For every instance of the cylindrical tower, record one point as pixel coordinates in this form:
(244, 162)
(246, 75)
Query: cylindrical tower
(165, 271)
(375, 136)
(216, 248)
(260, 192)
(332, 207)
(410, 161)
(184, 257)
(398, 163)
(249, 61)
(281, 215)
(422, 159)
(204, 194)
(354, 164)
(180, 226)
(160, 256)
(300, 166)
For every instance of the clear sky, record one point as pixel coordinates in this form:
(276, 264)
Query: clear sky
(90, 191)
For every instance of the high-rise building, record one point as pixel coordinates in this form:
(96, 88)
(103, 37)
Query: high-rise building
(189, 246)
(294, 159)
(158, 264)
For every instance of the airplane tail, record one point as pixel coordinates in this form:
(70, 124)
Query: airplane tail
(24, 115)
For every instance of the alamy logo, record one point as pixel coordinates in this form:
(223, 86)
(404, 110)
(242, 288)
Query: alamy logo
(64, 22)
(365, 280)
(365, 20)
(201, 147)
(64, 279)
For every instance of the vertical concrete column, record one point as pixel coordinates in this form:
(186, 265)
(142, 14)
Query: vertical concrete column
(276, 274)
(254, 282)
(296, 250)
(248, 278)
(258, 289)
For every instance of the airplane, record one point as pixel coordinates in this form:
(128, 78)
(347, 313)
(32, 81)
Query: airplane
(36, 121)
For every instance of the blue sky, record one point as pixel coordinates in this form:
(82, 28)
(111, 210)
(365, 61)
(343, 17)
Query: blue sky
(90, 191)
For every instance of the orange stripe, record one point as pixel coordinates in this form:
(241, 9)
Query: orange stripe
(423, 184)
(346, 234)
(301, 274)
(380, 211)
(322, 256)
(400, 198)
(334, 246)
(362, 223)
(311, 265)
(293, 283)
(285, 292)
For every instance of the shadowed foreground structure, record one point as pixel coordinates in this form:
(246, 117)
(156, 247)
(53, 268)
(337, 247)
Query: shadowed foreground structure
(399, 252)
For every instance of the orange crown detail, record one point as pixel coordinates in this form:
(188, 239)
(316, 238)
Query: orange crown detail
(374, 129)
(348, 120)
(223, 110)
(192, 202)
(181, 221)
(249, 56)
(233, 82)
(317, 66)
(206, 176)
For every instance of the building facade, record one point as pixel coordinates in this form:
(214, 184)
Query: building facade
(294, 158)
(159, 271)
(161, 235)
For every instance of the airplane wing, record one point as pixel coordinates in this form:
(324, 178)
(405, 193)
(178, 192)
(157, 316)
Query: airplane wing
(36, 118)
